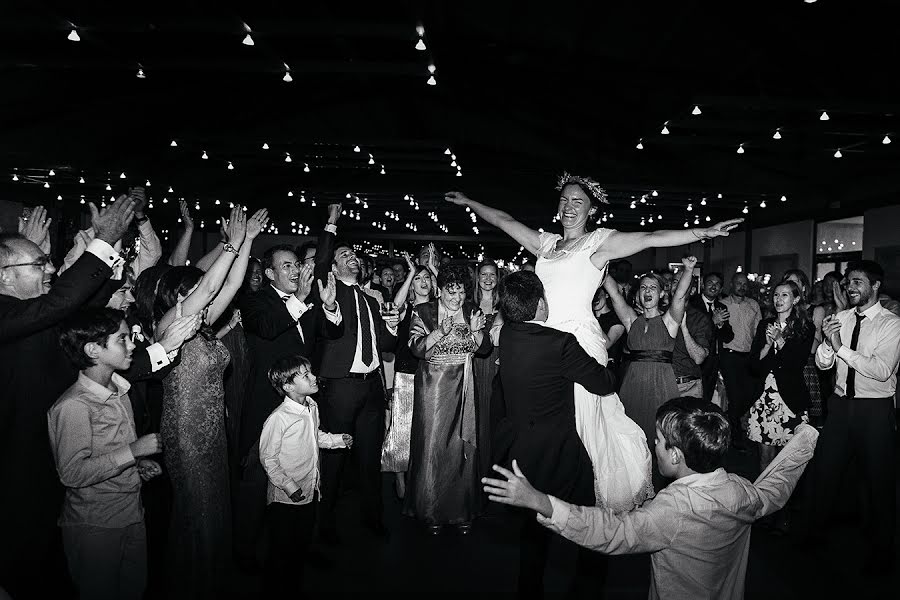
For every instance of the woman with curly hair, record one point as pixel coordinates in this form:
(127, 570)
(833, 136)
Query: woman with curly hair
(444, 335)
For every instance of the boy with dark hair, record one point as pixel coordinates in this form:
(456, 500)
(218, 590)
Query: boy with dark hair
(98, 458)
(289, 452)
(697, 528)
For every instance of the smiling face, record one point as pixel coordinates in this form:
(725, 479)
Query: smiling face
(487, 278)
(32, 278)
(122, 298)
(303, 384)
(784, 299)
(453, 296)
(285, 271)
(740, 285)
(860, 289)
(712, 287)
(649, 293)
(387, 277)
(574, 207)
(254, 276)
(116, 352)
(345, 265)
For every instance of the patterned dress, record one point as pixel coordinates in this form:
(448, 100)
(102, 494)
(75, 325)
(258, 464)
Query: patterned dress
(771, 421)
(193, 433)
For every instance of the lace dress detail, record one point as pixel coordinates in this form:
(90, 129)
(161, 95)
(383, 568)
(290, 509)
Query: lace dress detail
(617, 446)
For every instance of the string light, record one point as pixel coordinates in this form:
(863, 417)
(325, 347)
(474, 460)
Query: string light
(173, 144)
(305, 168)
(171, 191)
(784, 198)
(886, 140)
(287, 157)
(762, 204)
(640, 144)
(654, 193)
(204, 156)
(265, 146)
(665, 129)
(108, 187)
(431, 81)
(703, 202)
(73, 36)
(824, 116)
(46, 184)
(696, 110)
(746, 209)
(777, 134)
(356, 148)
(147, 184)
(140, 73)
(247, 41)
(81, 180)
(122, 175)
(287, 76)
(420, 45)
(838, 154)
(230, 166)
(51, 173)
(740, 149)
(382, 170)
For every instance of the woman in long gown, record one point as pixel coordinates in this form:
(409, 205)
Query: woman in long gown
(193, 422)
(487, 277)
(649, 380)
(810, 372)
(571, 267)
(443, 473)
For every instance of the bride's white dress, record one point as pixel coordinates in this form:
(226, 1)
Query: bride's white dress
(617, 446)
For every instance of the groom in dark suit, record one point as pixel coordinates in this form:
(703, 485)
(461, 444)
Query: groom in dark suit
(538, 369)
(722, 333)
(351, 395)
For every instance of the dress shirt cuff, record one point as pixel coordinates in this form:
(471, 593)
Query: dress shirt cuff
(331, 228)
(392, 330)
(123, 457)
(158, 357)
(296, 307)
(335, 315)
(846, 353)
(290, 487)
(557, 521)
(104, 252)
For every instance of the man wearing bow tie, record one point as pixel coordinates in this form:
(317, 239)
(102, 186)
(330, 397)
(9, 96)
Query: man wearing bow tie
(284, 318)
(352, 398)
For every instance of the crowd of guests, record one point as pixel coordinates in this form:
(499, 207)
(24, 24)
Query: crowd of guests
(165, 418)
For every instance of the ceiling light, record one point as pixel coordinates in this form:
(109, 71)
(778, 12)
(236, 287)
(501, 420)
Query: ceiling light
(305, 168)
(838, 154)
(371, 160)
(356, 148)
(690, 207)
(73, 36)
(204, 155)
(665, 129)
(287, 157)
(447, 151)
(703, 202)
(147, 184)
(122, 175)
(431, 69)
(696, 110)
(420, 45)
(640, 145)
(823, 116)
(420, 29)
(459, 173)
(248, 41)
(762, 204)
(230, 166)
(431, 81)
(174, 143)
(886, 140)
(740, 149)
(82, 200)
(453, 163)
(654, 193)
(777, 134)
(140, 73)
(51, 173)
(784, 198)
(382, 170)
(290, 194)
(287, 77)
(171, 191)
(746, 210)
(59, 197)
(108, 188)
(81, 180)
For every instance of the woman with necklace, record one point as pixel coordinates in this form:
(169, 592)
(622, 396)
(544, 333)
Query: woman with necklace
(572, 266)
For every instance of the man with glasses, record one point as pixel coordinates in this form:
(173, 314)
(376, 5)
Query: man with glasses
(33, 374)
(284, 318)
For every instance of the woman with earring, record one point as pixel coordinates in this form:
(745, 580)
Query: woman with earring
(572, 266)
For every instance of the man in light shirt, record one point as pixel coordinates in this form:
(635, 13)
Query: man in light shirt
(734, 363)
(864, 342)
(697, 529)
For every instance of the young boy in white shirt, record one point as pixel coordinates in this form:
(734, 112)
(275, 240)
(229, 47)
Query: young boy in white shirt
(289, 452)
(698, 527)
(99, 460)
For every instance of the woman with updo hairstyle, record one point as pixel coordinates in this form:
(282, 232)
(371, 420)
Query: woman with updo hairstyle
(810, 372)
(445, 334)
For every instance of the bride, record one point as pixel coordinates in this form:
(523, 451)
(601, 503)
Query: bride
(572, 266)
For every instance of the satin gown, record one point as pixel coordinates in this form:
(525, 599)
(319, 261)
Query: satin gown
(195, 452)
(616, 444)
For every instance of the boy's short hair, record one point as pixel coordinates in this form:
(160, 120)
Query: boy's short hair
(85, 326)
(699, 429)
(285, 369)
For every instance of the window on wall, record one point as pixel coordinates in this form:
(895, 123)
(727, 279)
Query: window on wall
(837, 243)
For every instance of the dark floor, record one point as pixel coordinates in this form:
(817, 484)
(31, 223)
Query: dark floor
(484, 563)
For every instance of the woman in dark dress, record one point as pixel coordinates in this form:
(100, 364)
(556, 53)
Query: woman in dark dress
(487, 278)
(443, 474)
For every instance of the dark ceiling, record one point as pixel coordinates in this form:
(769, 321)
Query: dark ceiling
(523, 92)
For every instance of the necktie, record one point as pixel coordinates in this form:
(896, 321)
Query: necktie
(365, 321)
(286, 298)
(850, 391)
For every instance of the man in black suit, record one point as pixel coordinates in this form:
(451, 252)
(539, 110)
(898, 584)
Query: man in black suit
(722, 333)
(352, 397)
(33, 374)
(284, 318)
(538, 369)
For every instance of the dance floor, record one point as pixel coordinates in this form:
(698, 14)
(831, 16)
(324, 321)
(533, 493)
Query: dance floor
(484, 563)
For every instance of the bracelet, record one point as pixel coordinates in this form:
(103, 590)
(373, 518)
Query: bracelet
(229, 248)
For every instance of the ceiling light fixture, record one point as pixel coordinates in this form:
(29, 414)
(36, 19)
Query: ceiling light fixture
(73, 36)
(746, 210)
(665, 129)
(265, 146)
(305, 168)
(431, 81)
(108, 188)
(838, 154)
(420, 45)
(740, 149)
(248, 41)
(382, 170)
(784, 198)
(287, 77)
(147, 184)
(823, 116)
(640, 144)
(81, 180)
(886, 140)
(287, 157)
(204, 155)
(777, 134)
(46, 184)
(356, 148)
(140, 73)
(230, 166)
(51, 173)
(762, 204)
(173, 144)
(696, 110)
(171, 191)
(122, 175)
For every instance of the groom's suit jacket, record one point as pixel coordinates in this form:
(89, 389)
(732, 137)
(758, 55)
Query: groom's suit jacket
(539, 367)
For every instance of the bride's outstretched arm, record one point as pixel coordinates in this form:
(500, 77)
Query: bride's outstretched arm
(621, 244)
(673, 316)
(527, 237)
(625, 313)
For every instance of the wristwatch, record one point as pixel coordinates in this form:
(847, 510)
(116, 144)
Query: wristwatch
(143, 219)
(229, 248)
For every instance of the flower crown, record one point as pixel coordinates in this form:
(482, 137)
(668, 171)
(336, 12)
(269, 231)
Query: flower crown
(587, 183)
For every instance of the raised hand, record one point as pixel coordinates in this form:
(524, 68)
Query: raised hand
(140, 200)
(328, 293)
(689, 262)
(840, 296)
(304, 282)
(476, 321)
(334, 213)
(257, 223)
(409, 262)
(432, 260)
(721, 229)
(185, 215)
(112, 222)
(36, 227)
(457, 198)
(182, 329)
(237, 226)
